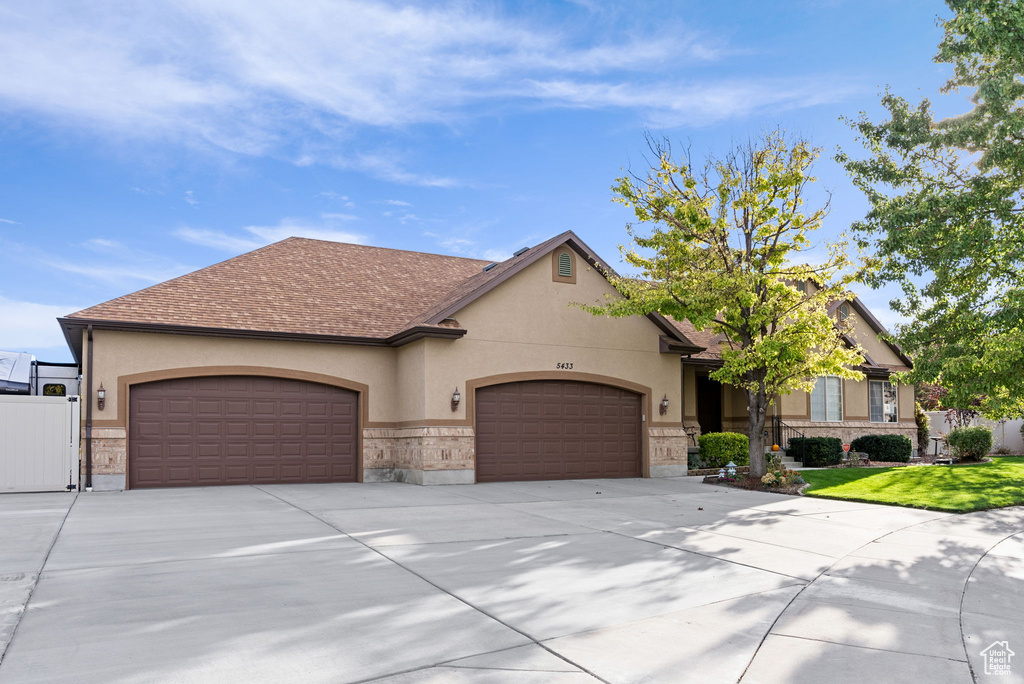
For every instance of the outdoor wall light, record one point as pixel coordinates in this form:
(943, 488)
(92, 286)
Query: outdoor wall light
(456, 398)
(663, 406)
(101, 397)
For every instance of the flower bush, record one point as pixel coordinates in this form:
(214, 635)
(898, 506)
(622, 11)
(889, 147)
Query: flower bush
(780, 476)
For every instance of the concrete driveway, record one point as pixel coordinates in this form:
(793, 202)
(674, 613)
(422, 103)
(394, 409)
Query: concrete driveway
(599, 580)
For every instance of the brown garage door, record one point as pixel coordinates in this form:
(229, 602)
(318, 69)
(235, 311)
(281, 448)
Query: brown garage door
(556, 430)
(240, 430)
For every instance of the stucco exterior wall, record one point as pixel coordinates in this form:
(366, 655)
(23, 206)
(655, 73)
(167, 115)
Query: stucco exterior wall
(119, 354)
(525, 327)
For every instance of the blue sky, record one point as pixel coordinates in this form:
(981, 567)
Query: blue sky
(145, 140)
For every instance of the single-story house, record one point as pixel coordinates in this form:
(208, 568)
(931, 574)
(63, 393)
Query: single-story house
(315, 361)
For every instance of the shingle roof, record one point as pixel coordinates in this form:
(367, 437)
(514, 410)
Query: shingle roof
(300, 286)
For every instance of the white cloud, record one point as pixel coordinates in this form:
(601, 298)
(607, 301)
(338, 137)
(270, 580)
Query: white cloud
(13, 223)
(254, 237)
(29, 325)
(103, 244)
(191, 199)
(397, 203)
(265, 78)
(218, 239)
(117, 274)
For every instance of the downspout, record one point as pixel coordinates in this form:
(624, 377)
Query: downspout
(88, 415)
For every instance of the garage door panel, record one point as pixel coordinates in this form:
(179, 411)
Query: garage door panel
(546, 430)
(241, 430)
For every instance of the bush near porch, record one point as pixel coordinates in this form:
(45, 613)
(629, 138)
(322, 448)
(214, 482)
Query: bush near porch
(887, 448)
(718, 448)
(816, 452)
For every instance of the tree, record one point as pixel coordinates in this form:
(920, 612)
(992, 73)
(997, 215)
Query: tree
(946, 219)
(723, 252)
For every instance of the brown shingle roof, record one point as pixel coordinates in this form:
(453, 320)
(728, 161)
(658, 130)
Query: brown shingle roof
(299, 286)
(328, 291)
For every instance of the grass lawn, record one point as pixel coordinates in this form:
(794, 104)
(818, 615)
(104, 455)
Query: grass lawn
(960, 488)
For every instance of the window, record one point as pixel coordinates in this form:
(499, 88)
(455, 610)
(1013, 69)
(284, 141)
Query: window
(882, 396)
(827, 400)
(844, 312)
(802, 286)
(55, 390)
(564, 265)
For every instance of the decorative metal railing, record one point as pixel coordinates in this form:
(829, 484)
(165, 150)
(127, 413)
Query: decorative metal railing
(781, 433)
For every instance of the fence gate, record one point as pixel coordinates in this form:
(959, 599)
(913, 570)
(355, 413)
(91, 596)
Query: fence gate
(38, 443)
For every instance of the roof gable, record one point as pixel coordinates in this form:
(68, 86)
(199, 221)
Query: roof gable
(482, 283)
(325, 291)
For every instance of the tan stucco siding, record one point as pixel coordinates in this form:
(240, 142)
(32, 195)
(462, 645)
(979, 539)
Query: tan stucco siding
(855, 399)
(794, 404)
(690, 395)
(410, 378)
(866, 337)
(527, 325)
(119, 354)
(905, 404)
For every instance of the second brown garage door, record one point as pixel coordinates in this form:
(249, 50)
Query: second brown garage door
(240, 430)
(556, 430)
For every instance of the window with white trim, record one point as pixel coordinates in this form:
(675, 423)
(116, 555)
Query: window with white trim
(827, 399)
(882, 396)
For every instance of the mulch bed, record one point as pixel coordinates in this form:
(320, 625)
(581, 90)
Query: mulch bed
(755, 485)
(740, 470)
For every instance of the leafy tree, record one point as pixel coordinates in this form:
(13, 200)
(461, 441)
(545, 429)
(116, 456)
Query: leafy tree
(724, 252)
(947, 219)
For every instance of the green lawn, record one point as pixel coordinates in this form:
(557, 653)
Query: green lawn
(960, 488)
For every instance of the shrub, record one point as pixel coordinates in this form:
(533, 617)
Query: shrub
(779, 476)
(693, 462)
(817, 451)
(970, 444)
(923, 429)
(893, 448)
(718, 448)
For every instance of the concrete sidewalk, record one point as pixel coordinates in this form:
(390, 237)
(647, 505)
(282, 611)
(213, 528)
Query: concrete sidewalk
(596, 580)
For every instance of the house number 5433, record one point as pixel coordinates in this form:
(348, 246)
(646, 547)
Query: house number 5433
(563, 366)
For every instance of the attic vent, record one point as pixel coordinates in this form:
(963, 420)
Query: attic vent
(564, 265)
(489, 266)
(524, 250)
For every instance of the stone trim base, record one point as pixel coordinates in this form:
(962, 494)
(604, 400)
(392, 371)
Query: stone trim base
(420, 477)
(107, 483)
(668, 470)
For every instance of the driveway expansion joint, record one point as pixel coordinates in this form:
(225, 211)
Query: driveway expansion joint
(39, 575)
(439, 588)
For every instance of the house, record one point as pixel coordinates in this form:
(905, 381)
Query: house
(836, 407)
(314, 361)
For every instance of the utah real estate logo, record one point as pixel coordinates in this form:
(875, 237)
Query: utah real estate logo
(997, 658)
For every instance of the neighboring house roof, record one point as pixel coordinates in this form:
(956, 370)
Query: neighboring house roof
(303, 289)
(715, 343)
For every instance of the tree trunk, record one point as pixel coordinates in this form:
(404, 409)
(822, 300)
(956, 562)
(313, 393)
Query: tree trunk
(758, 407)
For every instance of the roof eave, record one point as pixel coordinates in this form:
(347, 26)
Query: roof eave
(71, 325)
(535, 254)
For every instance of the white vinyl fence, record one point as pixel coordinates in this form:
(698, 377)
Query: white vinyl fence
(39, 439)
(1005, 433)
